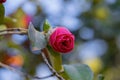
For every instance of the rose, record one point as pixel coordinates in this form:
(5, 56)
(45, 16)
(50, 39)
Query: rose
(2, 1)
(61, 40)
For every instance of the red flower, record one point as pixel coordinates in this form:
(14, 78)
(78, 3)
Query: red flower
(2, 1)
(62, 40)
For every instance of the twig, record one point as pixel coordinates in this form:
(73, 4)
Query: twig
(22, 73)
(36, 77)
(13, 31)
(24, 31)
(50, 67)
(14, 70)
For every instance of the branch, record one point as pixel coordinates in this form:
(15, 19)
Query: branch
(13, 31)
(48, 64)
(22, 73)
(14, 70)
(24, 31)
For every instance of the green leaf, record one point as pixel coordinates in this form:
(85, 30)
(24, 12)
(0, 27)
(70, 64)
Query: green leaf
(46, 26)
(3, 27)
(37, 39)
(55, 59)
(10, 22)
(78, 72)
(56, 62)
(2, 11)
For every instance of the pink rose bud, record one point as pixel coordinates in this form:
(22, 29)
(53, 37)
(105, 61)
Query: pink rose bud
(2, 1)
(62, 40)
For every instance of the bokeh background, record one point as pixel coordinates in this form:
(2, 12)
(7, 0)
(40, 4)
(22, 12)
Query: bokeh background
(95, 24)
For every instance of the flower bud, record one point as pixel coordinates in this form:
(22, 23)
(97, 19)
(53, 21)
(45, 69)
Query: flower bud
(62, 40)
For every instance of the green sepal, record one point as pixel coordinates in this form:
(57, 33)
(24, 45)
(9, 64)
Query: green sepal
(46, 26)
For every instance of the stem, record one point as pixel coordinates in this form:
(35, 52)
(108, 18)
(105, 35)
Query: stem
(36, 77)
(48, 64)
(24, 31)
(14, 70)
(21, 73)
(13, 31)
